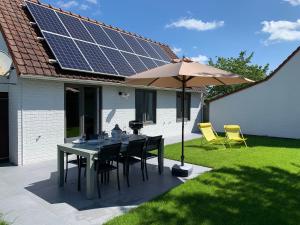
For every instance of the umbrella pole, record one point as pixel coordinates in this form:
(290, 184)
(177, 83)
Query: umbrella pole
(182, 117)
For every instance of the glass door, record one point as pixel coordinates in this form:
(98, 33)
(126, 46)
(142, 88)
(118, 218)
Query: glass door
(90, 112)
(82, 111)
(72, 97)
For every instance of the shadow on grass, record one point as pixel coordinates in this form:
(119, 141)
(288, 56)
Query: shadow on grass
(206, 147)
(235, 196)
(254, 141)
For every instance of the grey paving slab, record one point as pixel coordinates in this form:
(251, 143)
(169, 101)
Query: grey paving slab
(177, 139)
(30, 194)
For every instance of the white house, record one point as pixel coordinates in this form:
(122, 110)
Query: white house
(269, 108)
(43, 104)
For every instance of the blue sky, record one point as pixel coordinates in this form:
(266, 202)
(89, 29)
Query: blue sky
(204, 29)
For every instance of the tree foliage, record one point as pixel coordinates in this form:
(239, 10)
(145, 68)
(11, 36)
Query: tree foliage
(240, 65)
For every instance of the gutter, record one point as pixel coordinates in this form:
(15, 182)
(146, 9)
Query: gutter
(95, 82)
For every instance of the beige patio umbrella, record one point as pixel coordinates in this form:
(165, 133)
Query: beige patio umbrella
(184, 73)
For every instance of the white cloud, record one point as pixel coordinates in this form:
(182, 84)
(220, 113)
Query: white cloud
(200, 58)
(67, 4)
(194, 24)
(92, 1)
(293, 2)
(83, 7)
(281, 30)
(71, 4)
(176, 50)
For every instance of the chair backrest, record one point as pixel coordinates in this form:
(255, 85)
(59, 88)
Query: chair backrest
(153, 143)
(136, 147)
(232, 131)
(207, 131)
(109, 152)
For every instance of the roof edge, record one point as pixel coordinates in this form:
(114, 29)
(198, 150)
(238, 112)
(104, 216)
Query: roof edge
(98, 82)
(258, 82)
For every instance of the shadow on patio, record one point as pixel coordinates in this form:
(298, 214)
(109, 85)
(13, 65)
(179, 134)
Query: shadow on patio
(137, 193)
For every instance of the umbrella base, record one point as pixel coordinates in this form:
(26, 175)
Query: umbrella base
(182, 171)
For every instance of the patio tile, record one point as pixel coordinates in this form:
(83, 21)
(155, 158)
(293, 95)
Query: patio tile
(30, 195)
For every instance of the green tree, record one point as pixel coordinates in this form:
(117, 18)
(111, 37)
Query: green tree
(240, 65)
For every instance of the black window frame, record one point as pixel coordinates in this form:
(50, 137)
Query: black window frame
(143, 107)
(187, 117)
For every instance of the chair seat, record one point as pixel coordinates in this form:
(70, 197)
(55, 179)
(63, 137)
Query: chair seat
(106, 167)
(150, 155)
(217, 140)
(75, 162)
(131, 160)
(237, 139)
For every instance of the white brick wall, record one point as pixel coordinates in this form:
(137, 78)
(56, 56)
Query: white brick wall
(42, 119)
(270, 108)
(37, 121)
(15, 119)
(118, 110)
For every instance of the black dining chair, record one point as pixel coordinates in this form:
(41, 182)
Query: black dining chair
(134, 149)
(104, 163)
(80, 162)
(153, 143)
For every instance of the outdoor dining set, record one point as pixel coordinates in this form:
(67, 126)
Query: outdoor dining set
(98, 157)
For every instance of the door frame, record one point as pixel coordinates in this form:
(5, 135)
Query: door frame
(4, 96)
(99, 107)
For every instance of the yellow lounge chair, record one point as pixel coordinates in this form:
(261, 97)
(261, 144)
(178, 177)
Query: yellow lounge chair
(234, 134)
(210, 135)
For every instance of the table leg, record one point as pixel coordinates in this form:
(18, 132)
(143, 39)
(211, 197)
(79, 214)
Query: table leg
(60, 167)
(90, 178)
(161, 157)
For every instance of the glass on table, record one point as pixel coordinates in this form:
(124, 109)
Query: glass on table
(100, 137)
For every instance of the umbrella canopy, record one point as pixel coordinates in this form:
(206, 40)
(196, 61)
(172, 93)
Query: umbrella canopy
(193, 73)
(184, 73)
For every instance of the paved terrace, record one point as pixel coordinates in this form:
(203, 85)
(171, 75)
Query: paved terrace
(30, 195)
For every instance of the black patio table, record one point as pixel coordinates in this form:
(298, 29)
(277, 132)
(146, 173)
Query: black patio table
(90, 151)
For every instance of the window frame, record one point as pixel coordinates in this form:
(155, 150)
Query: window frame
(144, 106)
(188, 108)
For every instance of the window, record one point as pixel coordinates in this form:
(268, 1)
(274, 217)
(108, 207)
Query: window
(187, 106)
(145, 106)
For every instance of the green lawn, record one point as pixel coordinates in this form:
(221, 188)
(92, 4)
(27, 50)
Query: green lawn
(2, 221)
(259, 185)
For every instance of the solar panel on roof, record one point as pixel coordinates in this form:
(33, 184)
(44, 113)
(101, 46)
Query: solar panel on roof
(135, 62)
(75, 27)
(148, 62)
(96, 58)
(148, 48)
(118, 40)
(159, 63)
(161, 52)
(47, 19)
(98, 34)
(66, 52)
(134, 44)
(80, 45)
(118, 61)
